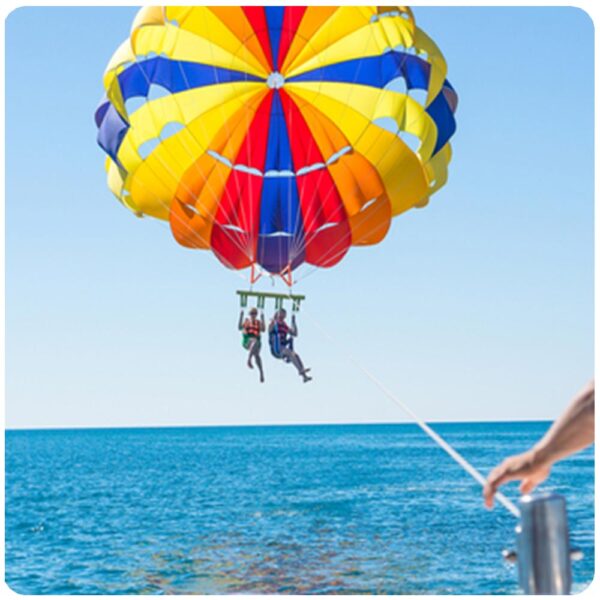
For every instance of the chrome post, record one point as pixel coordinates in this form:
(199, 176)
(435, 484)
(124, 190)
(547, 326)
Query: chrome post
(543, 553)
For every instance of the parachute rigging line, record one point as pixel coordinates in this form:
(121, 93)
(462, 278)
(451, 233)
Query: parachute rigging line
(185, 186)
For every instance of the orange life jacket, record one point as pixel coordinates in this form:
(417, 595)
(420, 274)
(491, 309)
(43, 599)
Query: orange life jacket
(251, 328)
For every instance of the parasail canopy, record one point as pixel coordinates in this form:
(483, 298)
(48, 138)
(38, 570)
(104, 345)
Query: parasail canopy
(276, 136)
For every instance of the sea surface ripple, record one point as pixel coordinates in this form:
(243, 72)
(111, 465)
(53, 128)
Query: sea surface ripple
(343, 509)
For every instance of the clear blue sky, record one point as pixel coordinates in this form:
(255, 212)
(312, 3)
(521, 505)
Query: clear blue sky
(478, 307)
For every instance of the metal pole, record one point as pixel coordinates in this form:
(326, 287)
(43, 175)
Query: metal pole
(543, 552)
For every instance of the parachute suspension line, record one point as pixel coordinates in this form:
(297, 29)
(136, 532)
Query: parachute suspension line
(441, 442)
(313, 268)
(329, 254)
(347, 103)
(160, 223)
(163, 225)
(319, 212)
(243, 250)
(308, 271)
(255, 274)
(209, 217)
(232, 239)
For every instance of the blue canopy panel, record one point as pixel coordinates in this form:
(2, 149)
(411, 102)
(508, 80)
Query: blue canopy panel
(378, 71)
(440, 111)
(101, 111)
(450, 95)
(173, 75)
(274, 16)
(281, 229)
(111, 129)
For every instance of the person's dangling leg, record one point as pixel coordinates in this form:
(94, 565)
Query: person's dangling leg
(258, 360)
(297, 362)
(301, 369)
(251, 346)
(255, 352)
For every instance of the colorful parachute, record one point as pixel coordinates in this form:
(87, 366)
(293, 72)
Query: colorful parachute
(276, 136)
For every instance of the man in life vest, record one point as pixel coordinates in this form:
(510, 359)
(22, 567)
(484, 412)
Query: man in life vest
(282, 344)
(251, 329)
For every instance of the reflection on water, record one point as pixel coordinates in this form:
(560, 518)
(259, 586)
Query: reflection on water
(289, 510)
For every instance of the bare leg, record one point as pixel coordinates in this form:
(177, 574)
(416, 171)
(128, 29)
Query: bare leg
(303, 371)
(297, 362)
(251, 346)
(255, 351)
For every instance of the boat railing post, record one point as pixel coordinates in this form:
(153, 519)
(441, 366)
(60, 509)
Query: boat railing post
(543, 552)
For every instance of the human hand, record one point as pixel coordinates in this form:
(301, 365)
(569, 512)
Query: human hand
(528, 467)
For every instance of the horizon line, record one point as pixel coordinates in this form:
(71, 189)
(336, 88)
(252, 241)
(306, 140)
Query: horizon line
(265, 425)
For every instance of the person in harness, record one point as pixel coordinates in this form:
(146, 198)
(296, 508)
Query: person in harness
(251, 329)
(282, 343)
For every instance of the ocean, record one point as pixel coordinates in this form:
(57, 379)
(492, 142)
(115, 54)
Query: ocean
(375, 509)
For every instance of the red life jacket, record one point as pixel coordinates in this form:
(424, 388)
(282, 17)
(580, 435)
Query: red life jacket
(251, 328)
(282, 330)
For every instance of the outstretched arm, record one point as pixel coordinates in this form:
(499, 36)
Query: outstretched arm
(571, 432)
(241, 321)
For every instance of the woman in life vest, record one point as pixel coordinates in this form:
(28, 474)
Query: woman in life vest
(282, 344)
(251, 329)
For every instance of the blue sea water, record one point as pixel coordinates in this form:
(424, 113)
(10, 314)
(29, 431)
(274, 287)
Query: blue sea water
(299, 509)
